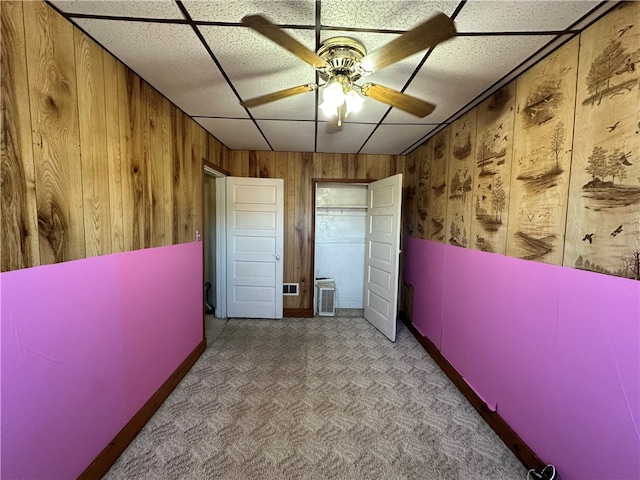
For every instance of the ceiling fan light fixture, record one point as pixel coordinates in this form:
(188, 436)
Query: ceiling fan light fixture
(366, 66)
(341, 61)
(329, 109)
(339, 92)
(334, 93)
(354, 101)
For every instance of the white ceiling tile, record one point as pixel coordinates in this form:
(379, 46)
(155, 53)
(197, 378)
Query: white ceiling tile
(524, 15)
(257, 66)
(122, 8)
(236, 134)
(347, 140)
(395, 139)
(289, 136)
(298, 107)
(381, 14)
(173, 60)
(539, 55)
(459, 70)
(292, 12)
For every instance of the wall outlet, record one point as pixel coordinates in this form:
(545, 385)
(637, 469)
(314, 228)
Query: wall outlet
(290, 289)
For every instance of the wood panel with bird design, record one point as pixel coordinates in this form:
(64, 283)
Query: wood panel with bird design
(603, 227)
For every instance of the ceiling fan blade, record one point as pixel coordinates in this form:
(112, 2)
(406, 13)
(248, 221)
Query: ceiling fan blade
(397, 99)
(435, 30)
(265, 27)
(272, 97)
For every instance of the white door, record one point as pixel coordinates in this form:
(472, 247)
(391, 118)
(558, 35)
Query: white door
(384, 199)
(255, 212)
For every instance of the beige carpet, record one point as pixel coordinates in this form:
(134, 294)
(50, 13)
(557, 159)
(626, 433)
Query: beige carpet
(323, 398)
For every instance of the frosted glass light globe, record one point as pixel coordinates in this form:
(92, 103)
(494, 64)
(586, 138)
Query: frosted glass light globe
(329, 109)
(334, 94)
(354, 101)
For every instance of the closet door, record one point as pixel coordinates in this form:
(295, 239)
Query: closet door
(384, 200)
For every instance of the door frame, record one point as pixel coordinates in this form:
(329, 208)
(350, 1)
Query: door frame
(314, 185)
(219, 173)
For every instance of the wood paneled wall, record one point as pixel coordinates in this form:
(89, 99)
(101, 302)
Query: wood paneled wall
(533, 179)
(94, 160)
(603, 226)
(545, 107)
(298, 170)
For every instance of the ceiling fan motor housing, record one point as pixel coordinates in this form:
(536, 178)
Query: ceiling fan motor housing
(343, 54)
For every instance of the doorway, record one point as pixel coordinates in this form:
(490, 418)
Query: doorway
(214, 267)
(242, 246)
(210, 244)
(340, 234)
(356, 249)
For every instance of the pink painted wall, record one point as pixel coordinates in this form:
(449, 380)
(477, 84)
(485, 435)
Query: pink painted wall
(84, 345)
(555, 351)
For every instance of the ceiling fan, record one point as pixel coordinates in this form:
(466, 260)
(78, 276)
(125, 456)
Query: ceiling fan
(341, 61)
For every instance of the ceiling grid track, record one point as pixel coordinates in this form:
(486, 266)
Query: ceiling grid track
(198, 33)
(413, 75)
(162, 43)
(570, 32)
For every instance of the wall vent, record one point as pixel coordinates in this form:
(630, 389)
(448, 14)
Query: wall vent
(326, 301)
(326, 297)
(290, 289)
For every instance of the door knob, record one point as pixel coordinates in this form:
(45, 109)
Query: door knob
(278, 257)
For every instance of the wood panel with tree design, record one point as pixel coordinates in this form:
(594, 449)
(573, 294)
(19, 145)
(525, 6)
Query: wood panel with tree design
(545, 100)
(437, 191)
(528, 158)
(603, 227)
(460, 178)
(424, 154)
(492, 171)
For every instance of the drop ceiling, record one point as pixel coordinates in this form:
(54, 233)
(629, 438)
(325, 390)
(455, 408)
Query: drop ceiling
(199, 55)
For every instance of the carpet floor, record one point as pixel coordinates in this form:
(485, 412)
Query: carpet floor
(321, 398)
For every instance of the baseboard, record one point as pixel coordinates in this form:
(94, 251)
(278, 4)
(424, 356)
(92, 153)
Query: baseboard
(111, 452)
(298, 312)
(511, 439)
